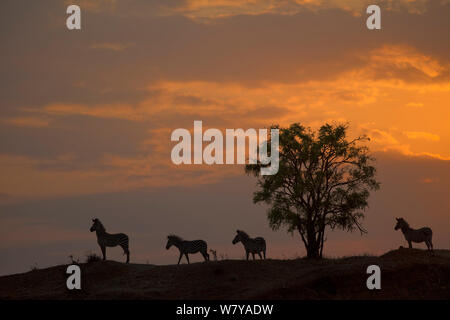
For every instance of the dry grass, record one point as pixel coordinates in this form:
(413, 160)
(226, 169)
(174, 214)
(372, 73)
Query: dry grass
(92, 257)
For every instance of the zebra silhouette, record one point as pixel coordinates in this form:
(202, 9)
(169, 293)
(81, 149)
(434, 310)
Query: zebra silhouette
(412, 235)
(256, 245)
(186, 247)
(104, 239)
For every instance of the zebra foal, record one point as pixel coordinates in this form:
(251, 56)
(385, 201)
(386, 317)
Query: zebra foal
(186, 247)
(256, 245)
(105, 239)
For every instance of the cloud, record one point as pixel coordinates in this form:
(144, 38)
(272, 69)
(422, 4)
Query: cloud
(357, 96)
(393, 140)
(422, 135)
(27, 178)
(95, 5)
(429, 180)
(404, 59)
(24, 178)
(383, 138)
(20, 232)
(113, 46)
(198, 9)
(247, 50)
(358, 86)
(115, 111)
(414, 104)
(37, 122)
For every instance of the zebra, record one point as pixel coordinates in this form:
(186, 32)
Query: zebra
(186, 247)
(412, 235)
(104, 239)
(256, 245)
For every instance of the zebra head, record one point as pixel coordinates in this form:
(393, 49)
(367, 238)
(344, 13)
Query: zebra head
(172, 240)
(97, 225)
(401, 224)
(241, 235)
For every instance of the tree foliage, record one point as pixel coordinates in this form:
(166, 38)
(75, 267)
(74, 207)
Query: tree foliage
(324, 180)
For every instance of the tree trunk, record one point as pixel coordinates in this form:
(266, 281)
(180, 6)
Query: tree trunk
(313, 247)
(311, 244)
(313, 250)
(322, 240)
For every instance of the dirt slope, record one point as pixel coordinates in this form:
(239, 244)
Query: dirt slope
(406, 274)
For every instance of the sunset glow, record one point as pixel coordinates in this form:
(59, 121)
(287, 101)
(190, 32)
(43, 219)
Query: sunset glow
(86, 117)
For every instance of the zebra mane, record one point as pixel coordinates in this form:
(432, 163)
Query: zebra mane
(243, 234)
(404, 222)
(100, 225)
(174, 238)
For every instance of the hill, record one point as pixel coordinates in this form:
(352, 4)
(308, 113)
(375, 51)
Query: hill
(405, 274)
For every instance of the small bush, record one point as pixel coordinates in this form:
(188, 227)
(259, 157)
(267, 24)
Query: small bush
(214, 254)
(92, 257)
(74, 260)
(34, 267)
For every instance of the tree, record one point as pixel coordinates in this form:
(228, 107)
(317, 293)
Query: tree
(323, 181)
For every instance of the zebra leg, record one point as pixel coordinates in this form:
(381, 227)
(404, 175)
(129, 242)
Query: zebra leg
(429, 244)
(103, 252)
(247, 253)
(410, 244)
(179, 259)
(264, 253)
(128, 255)
(260, 256)
(126, 251)
(187, 258)
(205, 255)
(253, 254)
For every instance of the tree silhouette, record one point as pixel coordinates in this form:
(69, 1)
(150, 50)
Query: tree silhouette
(323, 181)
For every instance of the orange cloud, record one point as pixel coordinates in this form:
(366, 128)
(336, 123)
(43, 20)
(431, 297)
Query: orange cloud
(414, 104)
(357, 96)
(403, 58)
(94, 5)
(37, 122)
(374, 105)
(118, 111)
(200, 9)
(429, 180)
(422, 135)
(113, 46)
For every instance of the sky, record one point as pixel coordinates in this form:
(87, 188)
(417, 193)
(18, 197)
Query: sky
(86, 117)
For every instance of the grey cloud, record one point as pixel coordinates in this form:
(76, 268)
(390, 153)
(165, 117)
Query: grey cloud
(43, 62)
(87, 138)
